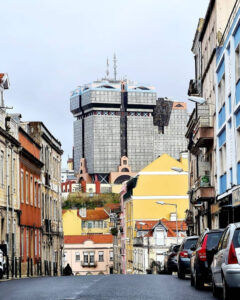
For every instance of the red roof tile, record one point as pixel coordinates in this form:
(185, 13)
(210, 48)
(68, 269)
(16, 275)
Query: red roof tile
(148, 225)
(170, 226)
(95, 214)
(96, 238)
(182, 226)
(112, 205)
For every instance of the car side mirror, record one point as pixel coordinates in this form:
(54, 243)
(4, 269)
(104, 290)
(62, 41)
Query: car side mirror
(193, 248)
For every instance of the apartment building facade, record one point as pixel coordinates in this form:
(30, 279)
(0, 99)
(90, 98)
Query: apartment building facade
(30, 198)
(89, 254)
(9, 179)
(120, 127)
(51, 204)
(228, 122)
(159, 181)
(201, 125)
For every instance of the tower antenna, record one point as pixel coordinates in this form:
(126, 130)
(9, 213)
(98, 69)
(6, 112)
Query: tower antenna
(107, 70)
(115, 65)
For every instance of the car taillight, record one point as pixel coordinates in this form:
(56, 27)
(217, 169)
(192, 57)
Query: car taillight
(232, 257)
(183, 254)
(202, 253)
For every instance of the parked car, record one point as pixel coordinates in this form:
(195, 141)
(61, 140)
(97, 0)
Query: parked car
(3, 253)
(202, 257)
(170, 259)
(226, 263)
(184, 254)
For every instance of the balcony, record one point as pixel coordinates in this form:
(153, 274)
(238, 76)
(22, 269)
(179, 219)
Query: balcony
(204, 190)
(204, 129)
(88, 264)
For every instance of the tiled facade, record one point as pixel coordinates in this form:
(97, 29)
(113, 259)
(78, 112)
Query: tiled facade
(228, 123)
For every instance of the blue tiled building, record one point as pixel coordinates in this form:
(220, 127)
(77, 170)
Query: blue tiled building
(228, 122)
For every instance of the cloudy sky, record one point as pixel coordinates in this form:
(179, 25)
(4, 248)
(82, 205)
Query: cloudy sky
(49, 47)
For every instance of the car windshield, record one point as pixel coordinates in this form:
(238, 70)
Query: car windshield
(189, 243)
(213, 239)
(236, 238)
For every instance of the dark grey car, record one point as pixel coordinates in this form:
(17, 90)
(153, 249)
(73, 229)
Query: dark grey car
(184, 255)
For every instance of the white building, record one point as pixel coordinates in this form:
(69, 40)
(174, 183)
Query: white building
(152, 241)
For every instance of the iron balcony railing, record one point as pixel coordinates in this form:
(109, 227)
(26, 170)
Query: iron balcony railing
(89, 264)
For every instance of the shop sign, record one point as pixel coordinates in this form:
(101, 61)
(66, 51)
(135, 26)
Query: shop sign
(236, 197)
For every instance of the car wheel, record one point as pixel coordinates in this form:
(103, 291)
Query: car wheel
(228, 294)
(215, 289)
(198, 281)
(192, 280)
(1, 273)
(180, 274)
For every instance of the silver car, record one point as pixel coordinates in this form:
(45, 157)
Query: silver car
(226, 263)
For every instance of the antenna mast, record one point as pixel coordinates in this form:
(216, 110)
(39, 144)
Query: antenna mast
(115, 66)
(107, 70)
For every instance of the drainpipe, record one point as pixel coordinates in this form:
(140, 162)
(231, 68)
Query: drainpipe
(12, 178)
(7, 194)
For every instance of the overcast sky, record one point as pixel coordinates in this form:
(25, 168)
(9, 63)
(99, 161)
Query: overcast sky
(50, 47)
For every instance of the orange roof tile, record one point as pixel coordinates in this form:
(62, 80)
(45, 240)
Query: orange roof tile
(170, 226)
(112, 205)
(95, 214)
(96, 238)
(148, 225)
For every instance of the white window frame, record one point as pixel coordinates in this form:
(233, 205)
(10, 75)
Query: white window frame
(22, 185)
(31, 190)
(27, 187)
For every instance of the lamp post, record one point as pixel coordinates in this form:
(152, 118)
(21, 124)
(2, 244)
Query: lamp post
(148, 248)
(164, 203)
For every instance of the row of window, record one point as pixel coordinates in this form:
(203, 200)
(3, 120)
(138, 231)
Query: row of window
(30, 189)
(89, 257)
(94, 224)
(51, 163)
(30, 243)
(11, 169)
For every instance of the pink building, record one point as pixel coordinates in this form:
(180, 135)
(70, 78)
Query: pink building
(89, 254)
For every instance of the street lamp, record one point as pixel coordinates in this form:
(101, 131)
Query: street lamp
(179, 170)
(164, 203)
(198, 100)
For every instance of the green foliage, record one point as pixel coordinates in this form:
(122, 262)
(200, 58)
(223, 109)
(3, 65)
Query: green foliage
(79, 200)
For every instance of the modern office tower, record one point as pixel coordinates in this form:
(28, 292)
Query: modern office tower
(120, 127)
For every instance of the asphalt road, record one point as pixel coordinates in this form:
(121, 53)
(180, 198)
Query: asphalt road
(165, 287)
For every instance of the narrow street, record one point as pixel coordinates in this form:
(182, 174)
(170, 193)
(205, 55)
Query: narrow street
(103, 287)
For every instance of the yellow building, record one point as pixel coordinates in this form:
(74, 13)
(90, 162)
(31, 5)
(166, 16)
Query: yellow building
(82, 221)
(164, 180)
